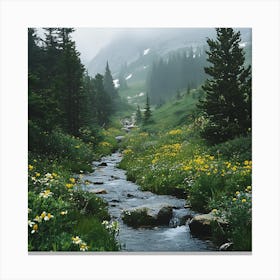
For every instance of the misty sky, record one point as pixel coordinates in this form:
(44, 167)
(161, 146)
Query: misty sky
(90, 40)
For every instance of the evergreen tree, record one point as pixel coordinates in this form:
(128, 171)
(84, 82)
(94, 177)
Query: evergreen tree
(109, 84)
(103, 101)
(138, 115)
(147, 112)
(227, 104)
(70, 82)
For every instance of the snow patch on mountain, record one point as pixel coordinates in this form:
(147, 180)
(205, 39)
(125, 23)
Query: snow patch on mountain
(116, 83)
(146, 51)
(128, 77)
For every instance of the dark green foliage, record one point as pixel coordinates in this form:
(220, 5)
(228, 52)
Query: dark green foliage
(181, 70)
(104, 102)
(227, 103)
(138, 115)
(148, 112)
(239, 149)
(108, 82)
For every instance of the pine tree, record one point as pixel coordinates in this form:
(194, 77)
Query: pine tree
(138, 115)
(227, 104)
(103, 101)
(109, 84)
(70, 82)
(147, 112)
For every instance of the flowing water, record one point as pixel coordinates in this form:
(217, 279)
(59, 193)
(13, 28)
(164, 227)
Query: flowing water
(122, 194)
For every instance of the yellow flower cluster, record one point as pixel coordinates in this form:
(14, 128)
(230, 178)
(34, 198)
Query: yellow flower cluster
(78, 241)
(167, 151)
(105, 144)
(127, 151)
(144, 134)
(175, 132)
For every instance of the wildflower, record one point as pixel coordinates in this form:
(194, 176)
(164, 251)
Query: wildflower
(72, 180)
(43, 215)
(234, 168)
(30, 167)
(234, 199)
(46, 194)
(83, 246)
(38, 219)
(237, 193)
(34, 160)
(62, 213)
(48, 176)
(248, 188)
(214, 211)
(30, 224)
(243, 200)
(35, 228)
(76, 240)
(37, 174)
(54, 175)
(69, 186)
(48, 217)
(175, 132)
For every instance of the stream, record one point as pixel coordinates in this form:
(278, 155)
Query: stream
(122, 194)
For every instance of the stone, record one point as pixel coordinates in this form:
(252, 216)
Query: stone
(200, 225)
(102, 164)
(226, 246)
(98, 191)
(164, 215)
(98, 183)
(148, 215)
(119, 138)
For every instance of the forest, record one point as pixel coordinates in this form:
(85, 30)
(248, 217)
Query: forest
(114, 162)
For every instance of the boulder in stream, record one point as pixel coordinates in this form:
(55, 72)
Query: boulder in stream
(102, 164)
(98, 191)
(200, 225)
(148, 215)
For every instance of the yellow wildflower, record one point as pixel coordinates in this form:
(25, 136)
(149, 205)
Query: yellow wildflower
(83, 246)
(234, 199)
(37, 174)
(69, 186)
(243, 200)
(76, 240)
(72, 180)
(237, 193)
(248, 188)
(35, 228)
(30, 167)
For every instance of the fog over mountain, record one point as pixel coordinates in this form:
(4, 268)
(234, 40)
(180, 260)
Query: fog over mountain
(133, 44)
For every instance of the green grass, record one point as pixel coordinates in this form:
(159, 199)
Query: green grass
(132, 92)
(168, 156)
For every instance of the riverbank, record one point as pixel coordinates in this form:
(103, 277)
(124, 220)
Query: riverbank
(122, 196)
(212, 179)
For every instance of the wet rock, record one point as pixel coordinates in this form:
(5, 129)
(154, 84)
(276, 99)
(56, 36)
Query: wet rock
(129, 195)
(200, 225)
(102, 164)
(115, 177)
(226, 246)
(148, 216)
(98, 183)
(98, 191)
(164, 215)
(119, 138)
(115, 201)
